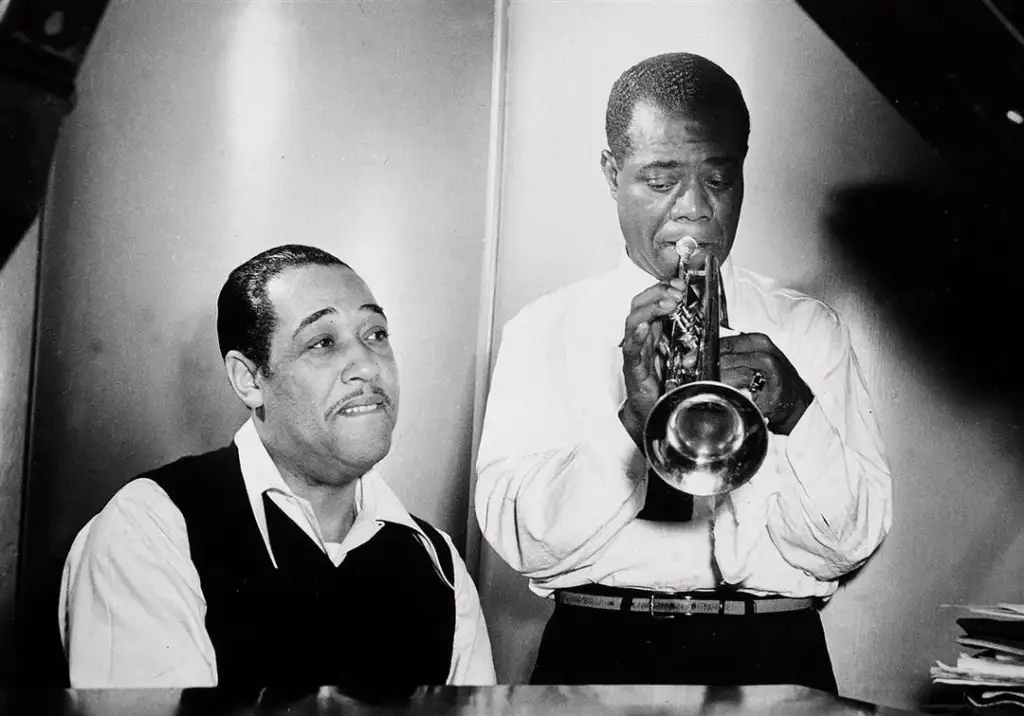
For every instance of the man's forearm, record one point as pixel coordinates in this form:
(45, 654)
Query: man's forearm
(661, 556)
(837, 508)
(543, 513)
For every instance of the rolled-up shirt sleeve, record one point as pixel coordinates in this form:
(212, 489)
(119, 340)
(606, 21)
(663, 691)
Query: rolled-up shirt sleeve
(560, 481)
(835, 505)
(132, 614)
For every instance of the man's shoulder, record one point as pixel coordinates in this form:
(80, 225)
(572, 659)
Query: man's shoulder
(192, 465)
(751, 281)
(138, 513)
(782, 304)
(554, 306)
(138, 534)
(197, 478)
(148, 499)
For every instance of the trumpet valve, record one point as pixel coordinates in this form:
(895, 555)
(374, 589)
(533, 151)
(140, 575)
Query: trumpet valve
(687, 327)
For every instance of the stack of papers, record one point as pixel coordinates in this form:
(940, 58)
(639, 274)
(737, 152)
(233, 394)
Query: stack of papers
(993, 670)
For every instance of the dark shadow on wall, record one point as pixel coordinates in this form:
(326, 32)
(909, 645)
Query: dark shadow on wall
(943, 262)
(941, 259)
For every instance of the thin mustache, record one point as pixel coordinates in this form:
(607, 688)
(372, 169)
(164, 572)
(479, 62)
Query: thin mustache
(376, 390)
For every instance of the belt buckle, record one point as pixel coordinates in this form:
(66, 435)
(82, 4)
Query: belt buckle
(670, 615)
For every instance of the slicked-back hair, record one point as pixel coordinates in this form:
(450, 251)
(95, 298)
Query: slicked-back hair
(245, 314)
(681, 85)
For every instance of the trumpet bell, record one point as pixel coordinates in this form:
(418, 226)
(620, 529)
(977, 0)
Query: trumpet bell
(705, 438)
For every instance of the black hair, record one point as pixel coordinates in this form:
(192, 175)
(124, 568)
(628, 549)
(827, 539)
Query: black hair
(245, 315)
(680, 84)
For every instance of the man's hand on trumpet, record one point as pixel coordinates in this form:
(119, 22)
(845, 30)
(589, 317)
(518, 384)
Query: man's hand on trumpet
(749, 362)
(641, 353)
(779, 393)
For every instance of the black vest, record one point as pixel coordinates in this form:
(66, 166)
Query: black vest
(383, 615)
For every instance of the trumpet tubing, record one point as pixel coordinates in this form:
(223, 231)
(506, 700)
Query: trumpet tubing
(702, 437)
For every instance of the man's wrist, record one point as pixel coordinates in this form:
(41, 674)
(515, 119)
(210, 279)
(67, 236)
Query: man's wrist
(793, 410)
(633, 424)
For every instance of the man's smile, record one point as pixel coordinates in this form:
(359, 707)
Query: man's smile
(361, 403)
(361, 409)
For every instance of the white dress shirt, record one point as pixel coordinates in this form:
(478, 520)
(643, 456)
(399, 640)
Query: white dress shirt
(560, 482)
(132, 612)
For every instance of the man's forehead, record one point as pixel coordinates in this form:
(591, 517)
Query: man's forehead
(296, 292)
(653, 128)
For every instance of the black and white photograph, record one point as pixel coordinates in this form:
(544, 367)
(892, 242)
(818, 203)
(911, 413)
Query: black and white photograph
(511, 357)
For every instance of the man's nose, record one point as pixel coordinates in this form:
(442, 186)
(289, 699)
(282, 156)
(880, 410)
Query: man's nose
(360, 364)
(691, 203)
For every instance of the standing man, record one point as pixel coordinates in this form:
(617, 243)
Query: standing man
(644, 591)
(281, 559)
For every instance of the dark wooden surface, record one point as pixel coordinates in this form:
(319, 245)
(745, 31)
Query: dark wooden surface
(449, 701)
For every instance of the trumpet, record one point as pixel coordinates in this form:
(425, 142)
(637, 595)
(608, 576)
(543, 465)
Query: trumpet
(702, 437)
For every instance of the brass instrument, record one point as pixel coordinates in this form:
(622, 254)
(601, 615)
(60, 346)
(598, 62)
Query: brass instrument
(702, 437)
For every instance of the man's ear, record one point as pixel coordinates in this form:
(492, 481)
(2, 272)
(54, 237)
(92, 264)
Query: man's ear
(610, 167)
(243, 376)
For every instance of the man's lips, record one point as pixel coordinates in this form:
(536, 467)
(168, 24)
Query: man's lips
(668, 250)
(361, 409)
(360, 404)
(703, 242)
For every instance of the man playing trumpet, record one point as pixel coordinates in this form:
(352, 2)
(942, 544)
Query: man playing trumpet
(651, 585)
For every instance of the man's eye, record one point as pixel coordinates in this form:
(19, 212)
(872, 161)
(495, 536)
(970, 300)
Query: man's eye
(323, 344)
(719, 182)
(379, 334)
(660, 184)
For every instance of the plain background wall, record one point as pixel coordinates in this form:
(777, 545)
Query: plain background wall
(205, 133)
(818, 126)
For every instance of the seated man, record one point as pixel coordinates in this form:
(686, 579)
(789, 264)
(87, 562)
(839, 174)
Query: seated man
(648, 588)
(281, 559)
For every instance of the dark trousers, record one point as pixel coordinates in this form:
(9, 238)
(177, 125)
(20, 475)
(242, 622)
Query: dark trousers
(583, 645)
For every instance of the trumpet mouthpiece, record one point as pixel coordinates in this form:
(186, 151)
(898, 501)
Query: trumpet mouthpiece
(685, 247)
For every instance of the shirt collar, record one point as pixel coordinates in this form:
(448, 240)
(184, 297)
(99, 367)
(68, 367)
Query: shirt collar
(635, 279)
(375, 501)
(258, 469)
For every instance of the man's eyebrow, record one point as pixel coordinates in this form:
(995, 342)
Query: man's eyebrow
(720, 161)
(312, 318)
(375, 308)
(317, 315)
(661, 164)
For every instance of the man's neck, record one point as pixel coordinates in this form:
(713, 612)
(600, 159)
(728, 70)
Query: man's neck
(333, 505)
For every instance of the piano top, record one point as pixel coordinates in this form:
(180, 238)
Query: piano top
(448, 701)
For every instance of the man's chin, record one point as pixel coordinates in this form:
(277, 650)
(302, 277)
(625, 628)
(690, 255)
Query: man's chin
(366, 462)
(364, 450)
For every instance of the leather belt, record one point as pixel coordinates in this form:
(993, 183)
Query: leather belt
(657, 605)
